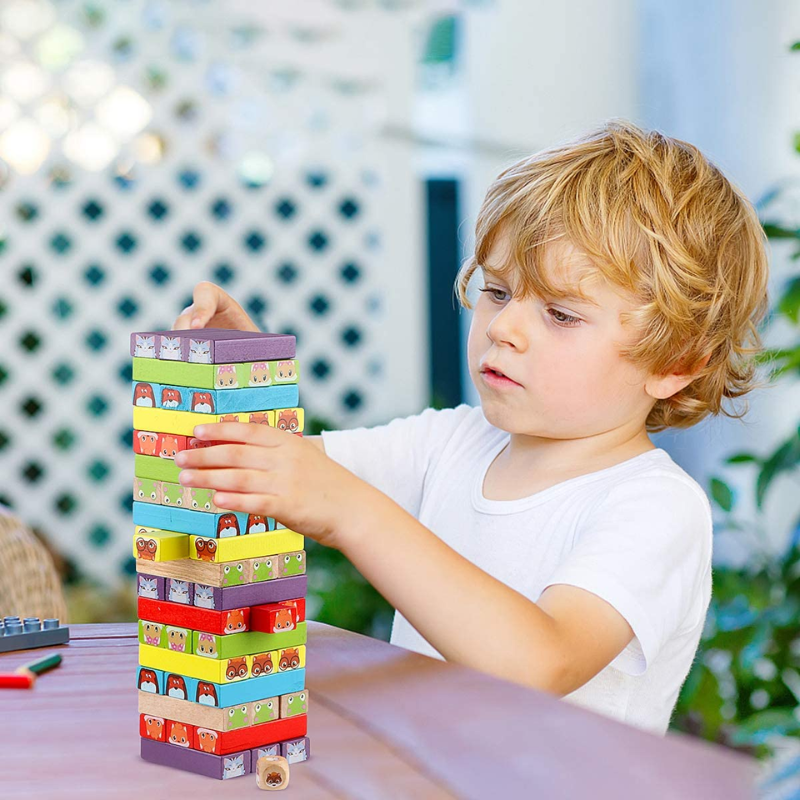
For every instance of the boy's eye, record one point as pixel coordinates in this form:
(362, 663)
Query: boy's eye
(565, 320)
(494, 292)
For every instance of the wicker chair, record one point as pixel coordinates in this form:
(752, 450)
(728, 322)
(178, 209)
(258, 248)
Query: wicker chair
(29, 583)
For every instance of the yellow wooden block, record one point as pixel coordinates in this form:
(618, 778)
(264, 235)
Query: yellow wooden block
(182, 423)
(225, 670)
(152, 544)
(252, 545)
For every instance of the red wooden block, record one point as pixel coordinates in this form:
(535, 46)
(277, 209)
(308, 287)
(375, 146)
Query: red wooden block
(278, 617)
(151, 727)
(180, 734)
(198, 619)
(252, 736)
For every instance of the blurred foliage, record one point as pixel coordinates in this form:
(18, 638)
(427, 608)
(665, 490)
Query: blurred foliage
(744, 687)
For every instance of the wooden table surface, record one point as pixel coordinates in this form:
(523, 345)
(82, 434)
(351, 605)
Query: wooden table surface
(383, 722)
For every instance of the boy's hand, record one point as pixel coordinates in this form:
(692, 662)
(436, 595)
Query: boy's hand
(263, 470)
(213, 308)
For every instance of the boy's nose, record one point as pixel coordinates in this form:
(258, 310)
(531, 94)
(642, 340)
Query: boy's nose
(508, 326)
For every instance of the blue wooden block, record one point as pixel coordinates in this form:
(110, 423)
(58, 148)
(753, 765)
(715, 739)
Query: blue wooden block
(222, 695)
(185, 520)
(212, 401)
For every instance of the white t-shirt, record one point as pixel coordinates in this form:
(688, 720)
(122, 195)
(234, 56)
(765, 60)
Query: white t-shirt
(638, 534)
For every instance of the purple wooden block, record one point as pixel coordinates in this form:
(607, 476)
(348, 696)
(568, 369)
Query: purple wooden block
(295, 750)
(151, 586)
(170, 755)
(254, 594)
(212, 345)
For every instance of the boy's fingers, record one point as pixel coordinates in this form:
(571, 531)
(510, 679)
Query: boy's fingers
(184, 319)
(242, 432)
(236, 480)
(205, 304)
(224, 455)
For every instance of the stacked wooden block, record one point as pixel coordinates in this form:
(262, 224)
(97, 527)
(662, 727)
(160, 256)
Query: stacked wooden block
(221, 601)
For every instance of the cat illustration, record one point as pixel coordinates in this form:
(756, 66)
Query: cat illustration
(145, 347)
(203, 596)
(226, 377)
(148, 587)
(232, 766)
(179, 591)
(259, 374)
(296, 751)
(199, 352)
(170, 349)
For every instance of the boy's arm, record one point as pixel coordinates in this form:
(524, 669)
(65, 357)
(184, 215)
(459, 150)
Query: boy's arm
(471, 618)
(316, 441)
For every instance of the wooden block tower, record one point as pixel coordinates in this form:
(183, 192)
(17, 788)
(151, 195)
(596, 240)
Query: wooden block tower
(221, 594)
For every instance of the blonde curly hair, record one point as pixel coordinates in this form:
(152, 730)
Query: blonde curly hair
(656, 218)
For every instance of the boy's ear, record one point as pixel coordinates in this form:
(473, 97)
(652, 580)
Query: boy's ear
(661, 387)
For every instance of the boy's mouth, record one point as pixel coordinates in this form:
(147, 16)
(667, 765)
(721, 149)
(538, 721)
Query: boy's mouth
(493, 373)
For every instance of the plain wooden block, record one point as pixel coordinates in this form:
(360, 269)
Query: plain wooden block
(272, 773)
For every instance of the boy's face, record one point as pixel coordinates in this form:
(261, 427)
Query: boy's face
(567, 379)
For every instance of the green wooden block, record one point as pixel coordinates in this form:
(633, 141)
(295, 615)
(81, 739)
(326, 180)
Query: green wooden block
(233, 645)
(155, 468)
(217, 376)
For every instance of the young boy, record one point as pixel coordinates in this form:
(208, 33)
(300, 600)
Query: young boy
(542, 537)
